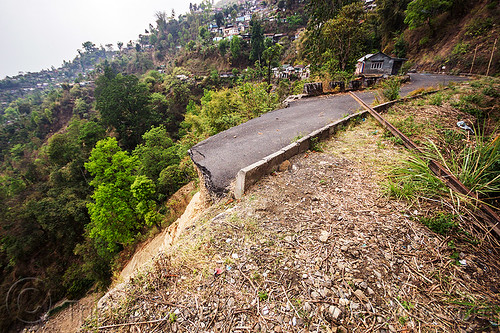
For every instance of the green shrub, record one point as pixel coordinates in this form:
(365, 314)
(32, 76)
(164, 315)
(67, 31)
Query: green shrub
(441, 223)
(423, 41)
(316, 145)
(479, 26)
(460, 48)
(400, 46)
(390, 88)
(297, 87)
(479, 167)
(471, 104)
(225, 108)
(451, 137)
(491, 91)
(413, 179)
(407, 65)
(436, 99)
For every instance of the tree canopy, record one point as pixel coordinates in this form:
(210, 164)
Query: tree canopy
(420, 12)
(123, 102)
(114, 220)
(257, 40)
(339, 41)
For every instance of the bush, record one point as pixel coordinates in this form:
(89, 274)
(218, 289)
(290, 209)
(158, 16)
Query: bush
(460, 48)
(223, 109)
(479, 26)
(390, 89)
(479, 167)
(407, 65)
(471, 104)
(436, 99)
(400, 46)
(424, 41)
(75, 282)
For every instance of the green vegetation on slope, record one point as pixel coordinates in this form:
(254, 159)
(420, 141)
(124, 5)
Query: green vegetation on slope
(85, 169)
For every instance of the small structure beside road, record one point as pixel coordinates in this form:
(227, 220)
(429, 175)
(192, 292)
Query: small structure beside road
(378, 64)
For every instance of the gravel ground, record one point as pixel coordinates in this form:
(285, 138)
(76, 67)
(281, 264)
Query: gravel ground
(315, 248)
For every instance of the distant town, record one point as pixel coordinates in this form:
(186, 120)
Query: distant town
(227, 23)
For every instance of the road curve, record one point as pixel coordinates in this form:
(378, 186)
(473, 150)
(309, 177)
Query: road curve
(221, 156)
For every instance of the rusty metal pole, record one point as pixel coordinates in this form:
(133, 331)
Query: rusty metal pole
(493, 220)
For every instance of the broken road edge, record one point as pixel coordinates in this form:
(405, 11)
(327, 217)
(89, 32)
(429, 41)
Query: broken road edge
(249, 175)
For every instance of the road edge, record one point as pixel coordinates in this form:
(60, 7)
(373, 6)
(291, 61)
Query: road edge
(249, 175)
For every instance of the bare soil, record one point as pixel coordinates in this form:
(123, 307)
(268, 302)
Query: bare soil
(69, 319)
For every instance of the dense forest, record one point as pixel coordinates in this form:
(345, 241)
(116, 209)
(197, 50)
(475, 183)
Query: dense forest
(86, 168)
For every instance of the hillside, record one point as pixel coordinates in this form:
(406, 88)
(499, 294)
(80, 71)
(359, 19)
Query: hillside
(461, 40)
(321, 246)
(88, 163)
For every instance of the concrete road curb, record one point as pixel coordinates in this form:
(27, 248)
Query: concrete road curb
(249, 175)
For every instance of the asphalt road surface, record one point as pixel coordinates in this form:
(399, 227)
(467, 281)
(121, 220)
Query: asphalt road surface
(221, 156)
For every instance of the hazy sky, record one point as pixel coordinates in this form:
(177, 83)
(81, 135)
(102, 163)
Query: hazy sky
(38, 34)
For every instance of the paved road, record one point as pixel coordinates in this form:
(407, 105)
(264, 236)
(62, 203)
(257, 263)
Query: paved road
(221, 156)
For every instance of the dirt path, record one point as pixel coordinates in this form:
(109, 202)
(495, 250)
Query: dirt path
(69, 319)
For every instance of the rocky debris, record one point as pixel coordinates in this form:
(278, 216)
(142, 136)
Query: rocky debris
(318, 248)
(286, 165)
(323, 237)
(292, 98)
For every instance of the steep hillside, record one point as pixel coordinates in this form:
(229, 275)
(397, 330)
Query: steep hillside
(86, 169)
(460, 41)
(319, 246)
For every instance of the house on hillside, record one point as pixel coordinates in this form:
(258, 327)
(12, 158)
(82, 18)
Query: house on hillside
(378, 64)
(287, 71)
(230, 31)
(244, 18)
(370, 5)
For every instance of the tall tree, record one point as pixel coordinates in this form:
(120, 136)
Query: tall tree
(113, 215)
(320, 11)
(223, 46)
(343, 35)
(156, 153)
(338, 41)
(235, 47)
(257, 40)
(219, 19)
(204, 35)
(89, 47)
(123, 102)
(270, 55)
(392, 16)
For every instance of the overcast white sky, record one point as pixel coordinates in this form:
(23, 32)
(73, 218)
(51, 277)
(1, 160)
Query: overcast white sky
(38, 34)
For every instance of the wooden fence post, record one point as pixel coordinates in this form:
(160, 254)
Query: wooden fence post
(491, 57)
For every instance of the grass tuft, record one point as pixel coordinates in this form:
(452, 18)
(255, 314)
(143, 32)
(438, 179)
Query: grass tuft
(441, 223)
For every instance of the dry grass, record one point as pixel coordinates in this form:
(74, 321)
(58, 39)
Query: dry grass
(317, 248)
(320, 248)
